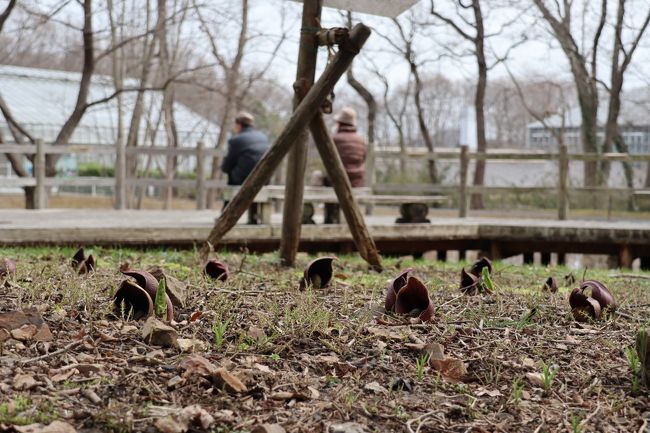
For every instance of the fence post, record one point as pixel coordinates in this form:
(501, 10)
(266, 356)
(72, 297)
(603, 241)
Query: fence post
(463, 203)
(562, 189)
(120, 174)
(200, 176)
(40, 193)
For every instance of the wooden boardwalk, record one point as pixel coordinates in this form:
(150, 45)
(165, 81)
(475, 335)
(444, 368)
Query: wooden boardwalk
(496, 237)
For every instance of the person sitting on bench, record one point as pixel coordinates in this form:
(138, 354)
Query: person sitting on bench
(352, 149)
(245, 148)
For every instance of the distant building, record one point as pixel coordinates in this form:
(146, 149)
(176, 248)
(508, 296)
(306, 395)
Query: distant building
(41, 100)
(633, 125)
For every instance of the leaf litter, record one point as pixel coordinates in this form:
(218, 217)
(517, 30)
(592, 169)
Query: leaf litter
(254, 353)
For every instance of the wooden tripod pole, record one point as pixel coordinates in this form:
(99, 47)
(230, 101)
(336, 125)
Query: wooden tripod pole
(343, 188)
(301, 117)
(297, 162)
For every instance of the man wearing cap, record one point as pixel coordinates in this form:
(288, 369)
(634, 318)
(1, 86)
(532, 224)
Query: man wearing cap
(352, 150)
(245, 148)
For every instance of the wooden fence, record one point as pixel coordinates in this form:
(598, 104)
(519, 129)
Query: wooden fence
(41, 182)
(463, 155)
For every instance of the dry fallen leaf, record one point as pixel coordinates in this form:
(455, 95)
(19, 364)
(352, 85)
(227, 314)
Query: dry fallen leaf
(228, 381)
(53, 427)
(181, 422)
(451, 369)
(269, 428)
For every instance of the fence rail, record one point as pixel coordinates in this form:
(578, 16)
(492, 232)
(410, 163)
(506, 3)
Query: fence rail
(463, 155)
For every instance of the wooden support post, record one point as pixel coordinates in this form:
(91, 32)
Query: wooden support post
(529, 258)
(40, 192)
(441, 256)
(343, 188)
(625, 257)
(371, 175)
(645, 263)
(495, 251)
(200, 176)
(463, 199)
(296, 124)
(563, 180)
(120, 175)
(561, 259)
(297, 162)
(546, 259)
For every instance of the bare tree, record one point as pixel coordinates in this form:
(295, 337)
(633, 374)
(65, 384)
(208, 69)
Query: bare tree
(231, 70)
(397, 117)
(621, 59)
(148, 48)
(4, 16)
(584, 68)
(477, 39)
(405, 47)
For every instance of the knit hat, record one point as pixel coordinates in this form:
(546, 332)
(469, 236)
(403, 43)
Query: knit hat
(245, 118)
(347, 116)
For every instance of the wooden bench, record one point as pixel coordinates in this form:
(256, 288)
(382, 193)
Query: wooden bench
(412, 208)
(262, 208)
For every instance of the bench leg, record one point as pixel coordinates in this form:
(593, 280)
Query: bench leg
(266, 209)
(308, 213)
(529, 258)
(332, 213)
(413, 213)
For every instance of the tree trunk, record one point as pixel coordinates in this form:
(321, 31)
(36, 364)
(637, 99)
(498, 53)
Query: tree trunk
(479, 105)
(589, 132)
(232, 73)
(167, 102)
(138, 110)
(81, 105)
(424, 129)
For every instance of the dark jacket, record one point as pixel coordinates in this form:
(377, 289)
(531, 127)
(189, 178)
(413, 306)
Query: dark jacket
(352, 149)
(244, 151)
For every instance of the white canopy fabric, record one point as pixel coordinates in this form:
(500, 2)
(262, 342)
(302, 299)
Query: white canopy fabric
(386, 8)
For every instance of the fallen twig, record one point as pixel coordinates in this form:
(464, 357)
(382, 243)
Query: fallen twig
(51, 354)
(633, 276)
(420, 420)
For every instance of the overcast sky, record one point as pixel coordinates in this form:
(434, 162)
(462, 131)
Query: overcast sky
(539, 56)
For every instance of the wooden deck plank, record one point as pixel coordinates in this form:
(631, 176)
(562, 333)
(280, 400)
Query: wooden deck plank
(188, 228)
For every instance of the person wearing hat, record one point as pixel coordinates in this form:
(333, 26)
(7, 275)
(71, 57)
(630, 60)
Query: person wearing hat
(246, 147)
(352, 149)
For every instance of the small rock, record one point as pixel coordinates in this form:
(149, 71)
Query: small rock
(191, 345)
(180, 422)
(256, 334)
(157, 333)
(348, 427)
(23, 382)
(24, 333)
(375, 387)
(535, 379)
(174, 382)
(128, 329)
(25, 325)
(269, 428)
